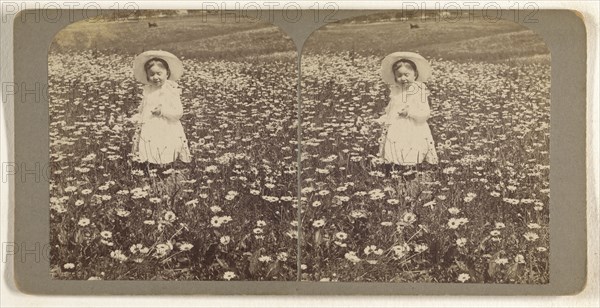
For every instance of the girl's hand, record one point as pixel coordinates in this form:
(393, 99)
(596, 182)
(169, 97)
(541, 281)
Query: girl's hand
(156, 111)
(403, 112)
(380, 120)
(135, 119)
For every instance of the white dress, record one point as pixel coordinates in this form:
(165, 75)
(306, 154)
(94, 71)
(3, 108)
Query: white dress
(160, 139)
(407, 139)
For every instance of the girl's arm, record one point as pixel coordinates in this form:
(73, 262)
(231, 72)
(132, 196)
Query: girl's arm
(420, 110)
(173, 109)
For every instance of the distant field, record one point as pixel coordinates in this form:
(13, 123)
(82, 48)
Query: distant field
(190, 37)
(193, 37)
(464, 40)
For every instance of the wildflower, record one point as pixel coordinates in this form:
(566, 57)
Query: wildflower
(318, 223)
(257, 231)
(324, 192)
(282, 256)
(453, 210)
(373, 249)
(469, 197)
(393, 201)
(511, 201)
(118, 255)
(501, 261)
(138, 248)
(69, 266)
(316, 203)
(409, 218)
(463, 277)
(358, 214)
(352, 257)
(500, 225)
(430, 204)
(265, 259)
(106, 234)
(270, 198)
(122, 212)
(215, 209)
(192, 203)
(225, 239)
(533, 226)
(461, 242)
(520, 259)
(341, 244)
(229, 275)
(185, 246)
(453, 223)
(530, 236)
(494, 233)
(541, 249)
(400, 250)
(83, 222)
(260, 223)
(170, 216)
(215, 221)
(376, 194)
(293, 233)
(449, 170)
(420, 248)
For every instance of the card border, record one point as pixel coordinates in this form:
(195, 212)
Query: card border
(568, 235)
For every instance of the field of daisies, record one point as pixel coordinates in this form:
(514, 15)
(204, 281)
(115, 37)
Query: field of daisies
(481, 215)
(227, 215)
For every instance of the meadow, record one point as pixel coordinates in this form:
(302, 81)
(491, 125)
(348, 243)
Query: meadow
(228, 215)
(481, 215)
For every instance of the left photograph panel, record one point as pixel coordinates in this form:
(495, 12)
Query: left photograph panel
(173, 148)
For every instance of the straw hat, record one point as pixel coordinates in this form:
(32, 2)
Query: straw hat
(175, 65)
(423, 67)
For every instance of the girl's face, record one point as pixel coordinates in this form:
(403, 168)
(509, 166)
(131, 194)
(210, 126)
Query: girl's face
(157, 75)
(404, 74)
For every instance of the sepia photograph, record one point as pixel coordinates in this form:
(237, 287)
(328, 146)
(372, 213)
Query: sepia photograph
(425, 150)
(173, 148)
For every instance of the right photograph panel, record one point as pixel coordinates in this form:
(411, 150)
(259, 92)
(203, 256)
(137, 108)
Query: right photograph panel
(424, 155)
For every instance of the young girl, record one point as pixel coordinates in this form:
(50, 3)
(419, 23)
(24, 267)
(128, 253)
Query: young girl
(407, 139)
(159, 139)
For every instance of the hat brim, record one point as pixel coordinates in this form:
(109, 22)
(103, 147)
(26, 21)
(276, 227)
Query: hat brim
(423, 66)
(175, 65)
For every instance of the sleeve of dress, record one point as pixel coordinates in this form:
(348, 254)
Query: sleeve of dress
(420, 111)
(172, 109)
